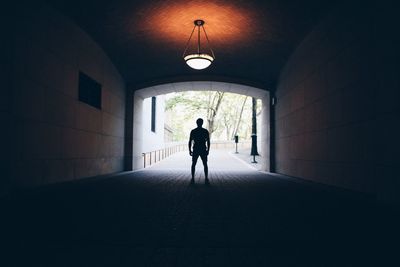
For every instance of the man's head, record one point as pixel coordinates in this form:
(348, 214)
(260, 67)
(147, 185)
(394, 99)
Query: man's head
(199, 122)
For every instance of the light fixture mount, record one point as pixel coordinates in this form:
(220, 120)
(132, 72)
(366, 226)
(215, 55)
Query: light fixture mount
(199, 59)
(199, 22)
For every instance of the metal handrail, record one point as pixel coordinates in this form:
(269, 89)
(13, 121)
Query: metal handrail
(157, 155)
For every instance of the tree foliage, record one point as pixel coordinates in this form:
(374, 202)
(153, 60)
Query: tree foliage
(225, 114)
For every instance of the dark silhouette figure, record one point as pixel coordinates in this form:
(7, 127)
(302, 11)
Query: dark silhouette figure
(201, 147)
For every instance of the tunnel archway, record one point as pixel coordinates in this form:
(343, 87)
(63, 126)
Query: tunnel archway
(134, 124)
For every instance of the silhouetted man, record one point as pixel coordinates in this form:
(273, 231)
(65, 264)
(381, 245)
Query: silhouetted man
(201, 139)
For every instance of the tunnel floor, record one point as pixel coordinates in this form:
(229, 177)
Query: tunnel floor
(218, 160)
(156, 217)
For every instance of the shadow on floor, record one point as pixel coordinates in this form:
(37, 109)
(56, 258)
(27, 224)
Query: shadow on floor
(157, 218)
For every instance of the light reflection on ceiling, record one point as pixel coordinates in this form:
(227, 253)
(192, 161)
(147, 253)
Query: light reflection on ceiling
(225, 23)
(252, 39)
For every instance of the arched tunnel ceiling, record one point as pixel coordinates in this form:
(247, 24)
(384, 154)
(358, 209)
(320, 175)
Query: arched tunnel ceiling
(252, 39)
(200, 86)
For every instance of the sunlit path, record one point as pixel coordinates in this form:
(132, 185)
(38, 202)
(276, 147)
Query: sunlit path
(218, 160)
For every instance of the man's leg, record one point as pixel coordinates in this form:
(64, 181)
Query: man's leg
(194, 161)
(204, 160)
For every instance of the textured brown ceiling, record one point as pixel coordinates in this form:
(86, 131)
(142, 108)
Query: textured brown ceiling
(172, 22)
(145, 39)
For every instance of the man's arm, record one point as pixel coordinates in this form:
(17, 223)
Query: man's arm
(190, 144)
(208, 142)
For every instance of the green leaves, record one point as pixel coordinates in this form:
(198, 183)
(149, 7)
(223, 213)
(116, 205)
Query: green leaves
(224, 114)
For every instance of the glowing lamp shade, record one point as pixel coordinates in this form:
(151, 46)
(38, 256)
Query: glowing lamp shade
(198, 61)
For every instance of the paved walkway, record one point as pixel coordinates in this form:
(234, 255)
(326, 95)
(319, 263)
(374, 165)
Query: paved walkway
(218, 160)
(155, 217)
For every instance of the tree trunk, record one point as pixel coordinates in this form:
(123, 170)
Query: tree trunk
(213, 110)
(254, 116)
(254, 150)
(240, 118)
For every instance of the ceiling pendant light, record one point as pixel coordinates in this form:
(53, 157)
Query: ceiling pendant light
(198, 60)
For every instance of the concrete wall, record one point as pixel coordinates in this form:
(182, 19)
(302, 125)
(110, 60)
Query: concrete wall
(337, 104)
(153, 140)
(137, 144)
(264, 134)
(56, 137)
(7, 152)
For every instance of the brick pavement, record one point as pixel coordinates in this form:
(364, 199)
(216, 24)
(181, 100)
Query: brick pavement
(155, 217)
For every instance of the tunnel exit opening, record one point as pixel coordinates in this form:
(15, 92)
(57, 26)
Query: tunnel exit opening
(147, 148)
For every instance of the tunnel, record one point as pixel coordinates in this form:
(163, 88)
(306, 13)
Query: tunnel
(73, 190)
